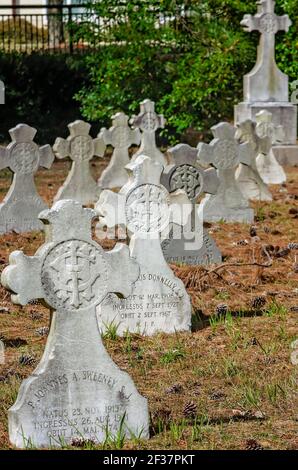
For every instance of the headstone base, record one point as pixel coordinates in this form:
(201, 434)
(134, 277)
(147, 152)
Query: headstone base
(283, 114)
(286, 155)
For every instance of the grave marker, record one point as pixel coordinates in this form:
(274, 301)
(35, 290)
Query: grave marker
(225, 154)
(76, 391)
(80, 147)
(22, 204)
(159, 301)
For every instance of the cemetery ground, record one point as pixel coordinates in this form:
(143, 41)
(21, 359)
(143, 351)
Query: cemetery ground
(230, 384)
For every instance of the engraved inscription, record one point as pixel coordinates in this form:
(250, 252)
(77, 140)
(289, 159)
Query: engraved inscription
(225, 154)
(74, 273)
(268, 24)
(186, 177)
(81, 148)
(147, 209)
(24, 158)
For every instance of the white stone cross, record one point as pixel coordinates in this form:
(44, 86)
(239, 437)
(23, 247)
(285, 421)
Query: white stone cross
(2, 92)
(148, 121)
(77, 391)
(248, 177)
(269, 168)
(159, 301)
(22, 204)
(194, 245)
(121, 137)
(80, 147)
(225, 154)
(266, 82)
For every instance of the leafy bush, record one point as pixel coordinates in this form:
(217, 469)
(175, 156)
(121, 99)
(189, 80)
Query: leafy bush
(192, 66)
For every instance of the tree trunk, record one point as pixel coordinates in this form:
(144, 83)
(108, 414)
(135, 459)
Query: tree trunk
(55, 23)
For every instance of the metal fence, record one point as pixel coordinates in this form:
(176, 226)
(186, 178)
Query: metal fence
(55, 28)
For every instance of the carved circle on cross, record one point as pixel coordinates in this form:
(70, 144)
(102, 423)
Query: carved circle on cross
(120, 137)
(74, 275)
(225, 154)
(24, 158)
(268, 24)
(147, 209)
(188, 178)
(149, 122)
(265, 129)
(81, 148)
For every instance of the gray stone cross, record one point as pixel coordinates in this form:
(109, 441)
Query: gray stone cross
(121, 137)
(80, 147)
(159, 301)
(248, 177)
(266, 82)
(225, 154)
(193, 245)
(268, 167)
(22, 204)
(77, 391)
(148, 121)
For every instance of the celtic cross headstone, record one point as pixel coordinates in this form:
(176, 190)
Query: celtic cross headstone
(159, 301)
(148, 121)
(266, 86)
(225, 154)
(192, 244)
(22, 204)
(248, 176)
(80, 147)
(121, 137)
(270, 170)
(76, 391)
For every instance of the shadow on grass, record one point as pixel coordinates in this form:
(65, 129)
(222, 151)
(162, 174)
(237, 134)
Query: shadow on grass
(201, 321)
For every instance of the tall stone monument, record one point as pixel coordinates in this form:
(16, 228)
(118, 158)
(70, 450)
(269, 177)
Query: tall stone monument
(266, 87)
(76, 391)
(159, 301)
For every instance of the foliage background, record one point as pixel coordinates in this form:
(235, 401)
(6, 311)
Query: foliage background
(192, 69)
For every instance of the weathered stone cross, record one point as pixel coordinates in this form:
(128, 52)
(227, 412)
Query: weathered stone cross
(248, 176)
(159, 301)
(121, 137)
(270, 170)
(192, 245)
(80, 147)
(76, 391)
(148, 121)
(266, 82)
(22, 204)
(225, 154)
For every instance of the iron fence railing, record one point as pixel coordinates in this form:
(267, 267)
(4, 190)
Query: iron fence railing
(54, 28)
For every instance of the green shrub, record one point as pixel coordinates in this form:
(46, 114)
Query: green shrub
(192, 68)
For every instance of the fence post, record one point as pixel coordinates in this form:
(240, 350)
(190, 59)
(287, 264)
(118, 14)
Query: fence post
(70, 29)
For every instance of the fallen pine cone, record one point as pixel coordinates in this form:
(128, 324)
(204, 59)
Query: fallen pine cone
(252, 444)
(190, 410)
(258, 302)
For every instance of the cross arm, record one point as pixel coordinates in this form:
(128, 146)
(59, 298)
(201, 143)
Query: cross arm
(135, 137)
(111, 209)
(210, 181)
(183, 153)
(284, 23)
(99, 147)
(61, 148)
(22, 277)
(205, 153)
(249, 23)
(47, 156)
(125, 270)
(105, 135)
(246, 153)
